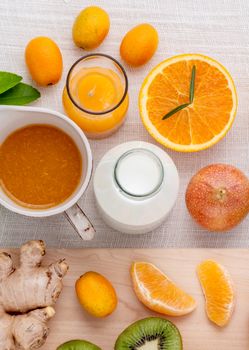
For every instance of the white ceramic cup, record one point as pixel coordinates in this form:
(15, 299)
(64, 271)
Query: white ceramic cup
(13, 118)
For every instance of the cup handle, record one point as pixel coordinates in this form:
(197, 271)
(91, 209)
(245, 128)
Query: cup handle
(80, 222)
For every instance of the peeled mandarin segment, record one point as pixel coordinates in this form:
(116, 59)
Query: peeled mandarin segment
(199, 125)
(156, 291)
(218, 290)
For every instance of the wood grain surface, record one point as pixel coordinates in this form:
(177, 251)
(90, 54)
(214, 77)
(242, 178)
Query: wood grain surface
(198, 333)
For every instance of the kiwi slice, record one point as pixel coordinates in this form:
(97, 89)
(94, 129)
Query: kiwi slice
(78, 344)
(152, 333)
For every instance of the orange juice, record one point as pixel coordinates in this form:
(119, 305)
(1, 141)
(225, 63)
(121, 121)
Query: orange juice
(40, 166)
(95, 97)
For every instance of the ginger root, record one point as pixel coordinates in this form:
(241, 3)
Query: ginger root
(27, 294)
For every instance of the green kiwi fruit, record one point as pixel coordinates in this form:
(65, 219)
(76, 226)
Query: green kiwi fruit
(152, 333)
(78, 345)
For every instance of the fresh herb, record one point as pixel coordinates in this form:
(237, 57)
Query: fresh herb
(192, 85)
(191, 96)
(20, 94)
(13, 92)
(179, 108)
(8, 80)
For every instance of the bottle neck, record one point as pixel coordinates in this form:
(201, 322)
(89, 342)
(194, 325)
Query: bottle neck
(139, 173)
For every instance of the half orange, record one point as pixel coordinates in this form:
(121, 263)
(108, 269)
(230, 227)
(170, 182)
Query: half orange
(203, 122)
(156, 291)
(218, 290)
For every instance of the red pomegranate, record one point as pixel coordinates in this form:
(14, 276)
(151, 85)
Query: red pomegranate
(217, 197)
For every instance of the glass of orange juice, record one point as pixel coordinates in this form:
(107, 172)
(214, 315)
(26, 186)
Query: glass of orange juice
(96, 94)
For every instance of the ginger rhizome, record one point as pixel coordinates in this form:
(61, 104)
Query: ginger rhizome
(27, 294)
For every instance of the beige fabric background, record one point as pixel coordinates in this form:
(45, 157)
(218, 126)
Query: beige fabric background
(219, 28)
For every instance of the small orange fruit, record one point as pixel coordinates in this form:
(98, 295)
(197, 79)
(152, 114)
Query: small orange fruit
(156, 291)
(203, 121)
(90, 27)
(44, 60)
(96, 294)
(218, 290)
(139, 45)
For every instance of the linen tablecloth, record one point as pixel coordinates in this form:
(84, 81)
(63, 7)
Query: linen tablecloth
(218, 28)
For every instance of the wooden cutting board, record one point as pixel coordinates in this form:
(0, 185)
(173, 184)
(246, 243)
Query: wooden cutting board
(198, 333)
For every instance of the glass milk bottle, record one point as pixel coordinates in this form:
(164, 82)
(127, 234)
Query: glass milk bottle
(135, 185)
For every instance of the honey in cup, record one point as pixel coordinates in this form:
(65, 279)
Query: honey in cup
(40, 166)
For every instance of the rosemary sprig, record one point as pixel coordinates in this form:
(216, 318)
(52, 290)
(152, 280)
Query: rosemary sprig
(191, 96)
(192, 85)
(175, 110)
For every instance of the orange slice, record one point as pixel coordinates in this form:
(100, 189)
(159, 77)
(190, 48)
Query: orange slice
(156, 291)
(218, 290)
(206, 120)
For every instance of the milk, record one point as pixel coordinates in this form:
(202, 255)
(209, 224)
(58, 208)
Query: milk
(139, 172)
(135, 185)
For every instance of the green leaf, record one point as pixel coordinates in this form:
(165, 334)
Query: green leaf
(175, 110)
(20, 94)
(8, 80)
(192, 85)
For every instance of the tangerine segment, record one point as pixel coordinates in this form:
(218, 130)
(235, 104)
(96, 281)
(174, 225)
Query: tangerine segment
(202, 123)
(218, 290)
(156, 291)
